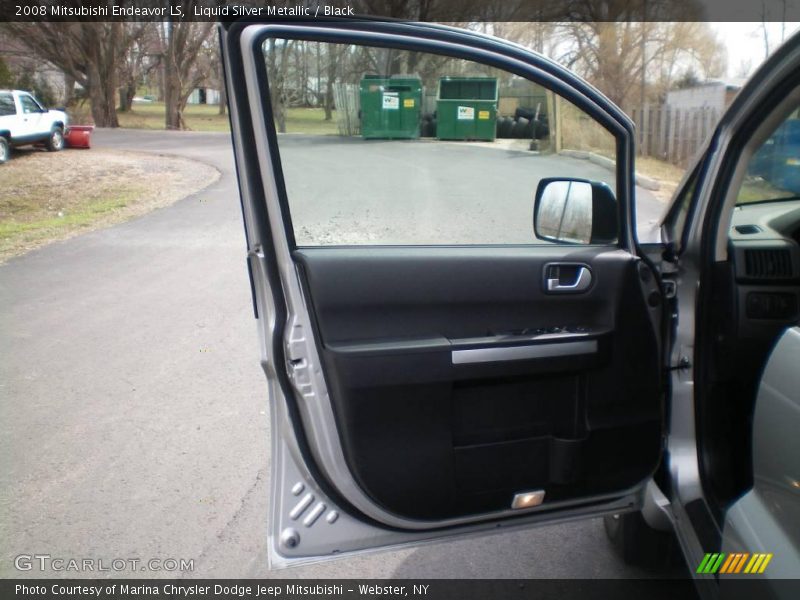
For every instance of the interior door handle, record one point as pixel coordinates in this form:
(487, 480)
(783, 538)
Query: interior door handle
(567, 278)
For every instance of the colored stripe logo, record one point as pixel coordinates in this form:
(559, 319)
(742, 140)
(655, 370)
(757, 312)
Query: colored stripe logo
(733, 563)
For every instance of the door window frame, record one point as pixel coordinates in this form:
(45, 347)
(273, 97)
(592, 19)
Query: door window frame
(618, 125)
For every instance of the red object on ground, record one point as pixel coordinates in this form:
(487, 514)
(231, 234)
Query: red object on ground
(79, 136)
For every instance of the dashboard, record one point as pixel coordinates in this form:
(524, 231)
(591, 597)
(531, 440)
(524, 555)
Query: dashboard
(755, 297)
(765, 248)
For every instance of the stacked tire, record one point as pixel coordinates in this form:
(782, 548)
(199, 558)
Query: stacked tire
(505, 125)
(428, 125)
(522, 125)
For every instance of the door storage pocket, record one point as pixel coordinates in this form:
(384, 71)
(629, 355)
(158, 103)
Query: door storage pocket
(517, 465)
(523, 408)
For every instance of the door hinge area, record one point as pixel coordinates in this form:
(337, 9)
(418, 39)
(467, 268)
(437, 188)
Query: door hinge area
(297, 361)
(670, 288)
(670, 254)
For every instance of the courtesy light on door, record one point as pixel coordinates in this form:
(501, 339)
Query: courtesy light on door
(527, 499)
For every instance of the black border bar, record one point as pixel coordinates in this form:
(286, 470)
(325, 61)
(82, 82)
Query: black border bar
(448, 11)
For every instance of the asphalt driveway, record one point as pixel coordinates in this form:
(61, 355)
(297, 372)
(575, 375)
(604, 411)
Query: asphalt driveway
(133, 416)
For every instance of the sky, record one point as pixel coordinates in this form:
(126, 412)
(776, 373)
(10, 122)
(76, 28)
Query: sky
(745, 42)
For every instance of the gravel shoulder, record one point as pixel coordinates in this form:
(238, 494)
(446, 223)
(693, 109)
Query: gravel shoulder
(54, 196)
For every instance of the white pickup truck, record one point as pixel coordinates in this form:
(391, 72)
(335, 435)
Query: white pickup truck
(23, 120)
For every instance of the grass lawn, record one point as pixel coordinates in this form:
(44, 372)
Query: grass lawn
(150, 115)
(49, 196)
(206, 117)
(310, 120)
(659, 169)
(667, 175)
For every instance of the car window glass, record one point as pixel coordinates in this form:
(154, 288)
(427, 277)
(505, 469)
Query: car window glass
(773, 172)
(7, 106)
(29, 105)
(387, 147)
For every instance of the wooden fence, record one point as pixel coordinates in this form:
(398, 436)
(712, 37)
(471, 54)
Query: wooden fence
(672, 134)
(346, 101)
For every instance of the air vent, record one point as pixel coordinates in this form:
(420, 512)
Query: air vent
(768, 264)
(747, 229)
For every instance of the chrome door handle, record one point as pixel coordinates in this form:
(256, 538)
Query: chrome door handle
(582, 280)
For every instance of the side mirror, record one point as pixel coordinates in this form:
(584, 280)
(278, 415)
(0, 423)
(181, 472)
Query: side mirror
(575, 211)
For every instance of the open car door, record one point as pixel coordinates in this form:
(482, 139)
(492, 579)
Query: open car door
(457, 332)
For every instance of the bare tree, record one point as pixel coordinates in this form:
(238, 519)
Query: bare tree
(335, 54)
(277, 59)
(141, 59)
(223, 93)
(765, 18)
(540, 36)
(619, 52)
(744, 68)
(89, 53)
(187, 61)
(764, 30)
(679, 43)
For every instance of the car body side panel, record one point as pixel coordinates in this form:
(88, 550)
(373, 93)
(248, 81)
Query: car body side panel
(705, 236)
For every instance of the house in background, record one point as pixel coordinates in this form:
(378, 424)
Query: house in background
(714, 95)
(204, 95)
(34, 74)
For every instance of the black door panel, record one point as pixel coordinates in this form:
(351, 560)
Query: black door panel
(453, 292)
(558, 392)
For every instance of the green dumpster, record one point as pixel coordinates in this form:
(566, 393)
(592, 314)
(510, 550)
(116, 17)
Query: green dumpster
(390, 108)
(466, 108)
